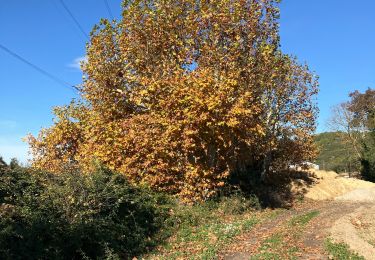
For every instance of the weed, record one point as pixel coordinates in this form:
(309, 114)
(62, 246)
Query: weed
(248, 224)
(341, 251)
(201, 230)
(273, 241)
(266, 256)
(238, 204)
(275, 213)
(302, 220)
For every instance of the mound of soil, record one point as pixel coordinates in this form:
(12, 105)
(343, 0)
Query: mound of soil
(329, 185)
(356, 228)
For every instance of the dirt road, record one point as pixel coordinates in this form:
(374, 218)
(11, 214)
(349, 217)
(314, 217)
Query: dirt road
(309, 239)
(343, 211)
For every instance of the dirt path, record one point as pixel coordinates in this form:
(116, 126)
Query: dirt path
(283, 237)
(339, 208)
(357, 229)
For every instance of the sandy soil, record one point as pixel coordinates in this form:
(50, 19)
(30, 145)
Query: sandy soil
(357, 229)
(329, 185)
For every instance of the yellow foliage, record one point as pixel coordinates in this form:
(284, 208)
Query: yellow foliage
(179, 95)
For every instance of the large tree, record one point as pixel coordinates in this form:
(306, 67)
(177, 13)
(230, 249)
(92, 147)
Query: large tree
(362, 105)
(355, 122)
(181, 95)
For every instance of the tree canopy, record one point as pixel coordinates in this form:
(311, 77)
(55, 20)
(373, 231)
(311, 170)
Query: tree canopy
(362, 105)
(355, 119)
(182, 95)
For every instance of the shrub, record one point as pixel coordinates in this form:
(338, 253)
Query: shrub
(368, 169)
(368, 160)
(238, 204)
(76, 216)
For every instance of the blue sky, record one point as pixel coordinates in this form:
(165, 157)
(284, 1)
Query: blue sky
(336, 38)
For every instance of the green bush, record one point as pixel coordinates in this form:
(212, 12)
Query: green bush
(368, 161)
(185, 217)
(368, 169)
(238, 203)
(76, 216)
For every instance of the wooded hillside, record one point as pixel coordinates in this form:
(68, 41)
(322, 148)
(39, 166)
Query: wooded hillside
(334, 154)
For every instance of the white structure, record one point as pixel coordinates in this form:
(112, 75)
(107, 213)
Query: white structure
(311, 166)
(305, 165)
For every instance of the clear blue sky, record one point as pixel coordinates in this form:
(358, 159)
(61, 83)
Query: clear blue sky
(335, 37)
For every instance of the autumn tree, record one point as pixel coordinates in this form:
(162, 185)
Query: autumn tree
(362, 105)
(355, 122)
(183, 95)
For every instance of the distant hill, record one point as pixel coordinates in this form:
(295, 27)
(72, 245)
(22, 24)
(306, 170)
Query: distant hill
(334, 155)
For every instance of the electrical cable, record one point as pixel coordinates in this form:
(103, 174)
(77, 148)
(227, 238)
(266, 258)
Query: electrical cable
(108, 9)
(74, 19)
(39, 69)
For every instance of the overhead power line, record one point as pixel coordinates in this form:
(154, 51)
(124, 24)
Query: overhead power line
(74, 19)
(108, 9)
(39, 69)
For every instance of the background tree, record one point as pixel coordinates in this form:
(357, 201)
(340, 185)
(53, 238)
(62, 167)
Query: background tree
(182, 95)
(354, 121)
(341, 122)
(14, 164)
(3, 164)
(362, 105)
(335, 153)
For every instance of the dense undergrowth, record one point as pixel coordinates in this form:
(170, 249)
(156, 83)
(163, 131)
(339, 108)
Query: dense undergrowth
(101, 216)
(75, 216)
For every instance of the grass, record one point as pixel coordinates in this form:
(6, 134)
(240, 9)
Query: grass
(275, 247)
(200, 231)
(302, 220)
(204, 239)
(281, 244)
(341, 251)
(273, 241)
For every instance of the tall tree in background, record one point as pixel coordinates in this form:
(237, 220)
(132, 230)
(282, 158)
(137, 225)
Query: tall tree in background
(351, 136)
(355, 122)
(362, 105)
(181, 95)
